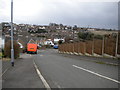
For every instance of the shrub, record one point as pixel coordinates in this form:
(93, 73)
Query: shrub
(60, 41)
(85, 35)
(7, 51)
(98, 37)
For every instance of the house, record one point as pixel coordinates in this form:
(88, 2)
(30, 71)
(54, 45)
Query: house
(91, 29)
(56, 40)
(49, 42)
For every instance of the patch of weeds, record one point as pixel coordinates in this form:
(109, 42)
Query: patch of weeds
(100, 62)
(105, 63)
(6, 59)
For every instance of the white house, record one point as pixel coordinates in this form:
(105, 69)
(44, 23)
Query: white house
(91, 29)
(49, 42)
(57, 39)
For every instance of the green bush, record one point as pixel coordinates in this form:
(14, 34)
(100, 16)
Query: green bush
(85, 35)
(60, 41)
(7, 50)
(98, 37)
(0, 55)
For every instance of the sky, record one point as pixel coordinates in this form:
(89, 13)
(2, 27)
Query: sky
(83, 13)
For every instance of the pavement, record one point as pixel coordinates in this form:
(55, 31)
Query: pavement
(22, 75)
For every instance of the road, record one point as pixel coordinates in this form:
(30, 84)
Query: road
(62, 71)
(51, 69)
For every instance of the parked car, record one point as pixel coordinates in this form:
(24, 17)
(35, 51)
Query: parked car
(55, 46)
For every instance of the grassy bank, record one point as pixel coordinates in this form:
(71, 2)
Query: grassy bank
(0, 55)
(5, 59)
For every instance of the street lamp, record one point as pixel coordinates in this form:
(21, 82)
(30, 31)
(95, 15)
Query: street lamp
(12, 48)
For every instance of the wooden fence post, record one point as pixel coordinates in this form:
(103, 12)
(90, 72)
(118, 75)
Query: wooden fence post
(103, 43)
(116, 51)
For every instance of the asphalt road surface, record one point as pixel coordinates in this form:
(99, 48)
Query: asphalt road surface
(51, 69)
(66, 72)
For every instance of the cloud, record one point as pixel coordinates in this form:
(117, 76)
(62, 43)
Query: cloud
(83, 13)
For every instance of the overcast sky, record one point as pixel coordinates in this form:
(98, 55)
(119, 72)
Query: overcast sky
(84, 13)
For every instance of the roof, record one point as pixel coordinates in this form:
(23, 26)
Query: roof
(32, 41)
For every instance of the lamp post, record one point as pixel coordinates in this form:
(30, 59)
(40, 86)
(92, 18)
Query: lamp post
(12, 48)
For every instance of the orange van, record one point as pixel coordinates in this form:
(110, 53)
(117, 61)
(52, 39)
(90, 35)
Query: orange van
(32, 48)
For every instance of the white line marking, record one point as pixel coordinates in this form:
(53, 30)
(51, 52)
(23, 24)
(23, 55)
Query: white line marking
(41, 77)
(57, 84)
(4, 72)
(96, 74)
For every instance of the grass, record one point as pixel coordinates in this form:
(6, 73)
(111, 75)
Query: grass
(100, 62)
(1, 55)
(4, 59)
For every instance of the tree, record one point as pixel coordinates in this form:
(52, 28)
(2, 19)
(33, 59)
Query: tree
(75, 27)
(98, 37)
(7, 50)
(60, 41)
(61, 25)
(85, 36)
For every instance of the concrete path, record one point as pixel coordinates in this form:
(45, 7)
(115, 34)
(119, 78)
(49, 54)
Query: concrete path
(22, 75)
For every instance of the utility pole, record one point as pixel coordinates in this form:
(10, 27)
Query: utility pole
(12, 48)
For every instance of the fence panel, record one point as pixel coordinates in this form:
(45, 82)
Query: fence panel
(62, 48)
(89, 47)
(110, 46)
(81, 47)
(59, 49)
(98, 46)
(72, 49)
(119, 43)
(76, 47)
(67, 47)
